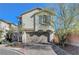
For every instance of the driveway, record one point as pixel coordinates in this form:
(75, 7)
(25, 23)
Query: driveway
(39, 49)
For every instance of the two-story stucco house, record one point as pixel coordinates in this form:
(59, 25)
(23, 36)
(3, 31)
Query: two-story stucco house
(37, 25)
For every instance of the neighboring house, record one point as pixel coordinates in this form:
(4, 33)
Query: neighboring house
(13, 27)
(73, 37)
(5, 26)
(38, 22)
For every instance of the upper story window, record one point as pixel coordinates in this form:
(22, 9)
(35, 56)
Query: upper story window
(44, 19)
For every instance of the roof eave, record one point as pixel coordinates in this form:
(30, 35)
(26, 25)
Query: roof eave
(30, 11)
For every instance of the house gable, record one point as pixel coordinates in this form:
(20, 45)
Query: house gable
(30, 11)
(44, 12)
(26, 21)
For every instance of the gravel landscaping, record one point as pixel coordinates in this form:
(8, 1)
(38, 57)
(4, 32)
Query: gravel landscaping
(59, 51)
(67, 50)
(74, 50)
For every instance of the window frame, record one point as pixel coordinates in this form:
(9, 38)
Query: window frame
(44, 19)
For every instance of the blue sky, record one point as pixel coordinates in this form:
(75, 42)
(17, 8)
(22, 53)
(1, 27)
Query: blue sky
(9, 11)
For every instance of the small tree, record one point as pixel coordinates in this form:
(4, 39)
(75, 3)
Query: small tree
(66, 20)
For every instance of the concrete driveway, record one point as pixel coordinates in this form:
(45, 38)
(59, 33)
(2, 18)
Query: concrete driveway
(39, 49)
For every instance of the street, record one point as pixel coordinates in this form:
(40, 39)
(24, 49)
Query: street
(8, 51)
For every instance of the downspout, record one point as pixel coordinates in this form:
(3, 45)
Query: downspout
(19, 27)
(34, 24)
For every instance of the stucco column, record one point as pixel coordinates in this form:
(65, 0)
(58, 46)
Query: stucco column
(51, 37)
(24, 37)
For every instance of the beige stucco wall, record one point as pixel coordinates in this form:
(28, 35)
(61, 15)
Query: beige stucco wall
(28, 21)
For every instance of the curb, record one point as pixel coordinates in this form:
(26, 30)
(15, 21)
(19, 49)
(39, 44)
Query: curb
(17, 50)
